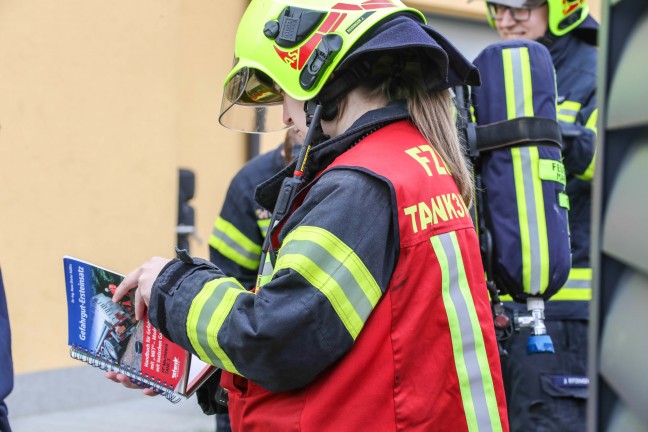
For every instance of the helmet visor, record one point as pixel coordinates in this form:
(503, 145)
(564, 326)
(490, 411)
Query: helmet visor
(252, 103)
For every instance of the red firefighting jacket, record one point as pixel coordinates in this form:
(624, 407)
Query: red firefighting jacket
(426, 358)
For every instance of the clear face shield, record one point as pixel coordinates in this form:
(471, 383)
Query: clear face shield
(252, 103)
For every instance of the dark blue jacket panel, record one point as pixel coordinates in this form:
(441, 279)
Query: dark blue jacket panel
(241, 210)
(576, 63)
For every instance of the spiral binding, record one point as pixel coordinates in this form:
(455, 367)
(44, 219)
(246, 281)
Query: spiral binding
(136, 376)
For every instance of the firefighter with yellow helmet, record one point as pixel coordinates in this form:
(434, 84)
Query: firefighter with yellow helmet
(549, 392)
(370, 311)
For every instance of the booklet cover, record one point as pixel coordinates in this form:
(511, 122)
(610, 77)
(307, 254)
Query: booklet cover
(107, 335)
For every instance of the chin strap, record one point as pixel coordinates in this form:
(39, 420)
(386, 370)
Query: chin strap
(342, 83)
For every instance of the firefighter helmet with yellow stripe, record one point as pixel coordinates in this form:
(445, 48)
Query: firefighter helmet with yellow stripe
(292, 47)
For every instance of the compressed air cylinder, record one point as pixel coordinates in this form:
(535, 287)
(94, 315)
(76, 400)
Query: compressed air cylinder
(525, 205)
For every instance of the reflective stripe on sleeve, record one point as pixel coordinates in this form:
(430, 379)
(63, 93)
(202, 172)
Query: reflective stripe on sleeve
(233, 244)
(263, 225)
(206, 316)
(469, 349)
(568, 110)
(592, 121)
(265, 272)
(588, 175)
(578, 286)
(334, 269)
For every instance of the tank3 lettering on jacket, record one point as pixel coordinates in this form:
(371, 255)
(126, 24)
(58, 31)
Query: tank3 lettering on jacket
(440, 208)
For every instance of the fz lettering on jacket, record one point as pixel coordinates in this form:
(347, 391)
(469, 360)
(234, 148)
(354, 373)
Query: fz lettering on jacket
(439, 208)
(421, 153)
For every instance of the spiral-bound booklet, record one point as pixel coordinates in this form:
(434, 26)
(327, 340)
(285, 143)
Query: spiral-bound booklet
(105, 334)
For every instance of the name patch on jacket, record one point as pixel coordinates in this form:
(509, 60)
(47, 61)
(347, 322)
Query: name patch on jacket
(570, 381)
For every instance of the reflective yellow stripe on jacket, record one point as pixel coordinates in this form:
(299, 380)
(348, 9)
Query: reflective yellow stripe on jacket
(568, 111)
(263, 225)
(206, 315)
(265, 272)
(591, 124)
(335, 270)
(469, 349)
(233, 244)
(577, 287)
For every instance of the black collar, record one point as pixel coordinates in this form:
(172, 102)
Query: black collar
(321, 155)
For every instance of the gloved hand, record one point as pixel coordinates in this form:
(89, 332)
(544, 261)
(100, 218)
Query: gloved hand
(569, 132)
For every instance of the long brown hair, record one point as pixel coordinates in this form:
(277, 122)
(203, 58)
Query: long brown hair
(431, 112)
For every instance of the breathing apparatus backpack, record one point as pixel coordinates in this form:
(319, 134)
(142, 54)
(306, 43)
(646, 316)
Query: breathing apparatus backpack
(514, 142)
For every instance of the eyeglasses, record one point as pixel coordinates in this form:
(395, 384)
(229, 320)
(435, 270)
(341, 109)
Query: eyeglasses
(497, 12)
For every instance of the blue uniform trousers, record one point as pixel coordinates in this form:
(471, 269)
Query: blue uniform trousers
(548, 392)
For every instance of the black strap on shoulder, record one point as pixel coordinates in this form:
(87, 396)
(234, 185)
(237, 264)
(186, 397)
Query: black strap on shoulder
(519, 131)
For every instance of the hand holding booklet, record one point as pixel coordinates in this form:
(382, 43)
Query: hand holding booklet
(106, 335)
